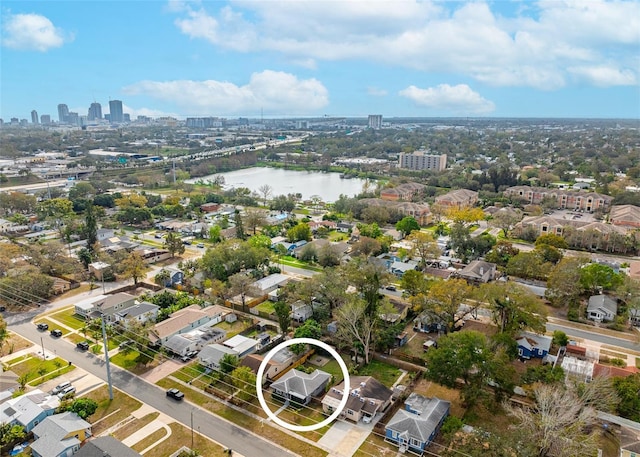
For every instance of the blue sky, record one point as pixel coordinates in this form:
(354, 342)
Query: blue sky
(551, 58)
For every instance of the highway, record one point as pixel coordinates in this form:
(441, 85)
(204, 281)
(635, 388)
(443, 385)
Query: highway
(229, 435)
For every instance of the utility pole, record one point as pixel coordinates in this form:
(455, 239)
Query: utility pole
(192, 429)
(44, 357)
(106, 356)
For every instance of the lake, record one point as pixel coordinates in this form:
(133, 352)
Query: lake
(329, 186)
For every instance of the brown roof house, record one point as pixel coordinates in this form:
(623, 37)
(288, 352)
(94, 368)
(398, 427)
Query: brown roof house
(478, 272)
(278, 364)
(458, 198)
(367, 396)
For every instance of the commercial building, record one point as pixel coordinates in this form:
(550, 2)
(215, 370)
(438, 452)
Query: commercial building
(45, 119)
(420, 160)
(34, 117)
(116, 114)
(95, 111)
(63, 113)
(375, 121)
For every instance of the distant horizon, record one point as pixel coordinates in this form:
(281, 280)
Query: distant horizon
(307, 58)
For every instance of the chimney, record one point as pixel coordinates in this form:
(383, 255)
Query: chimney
(481, 271)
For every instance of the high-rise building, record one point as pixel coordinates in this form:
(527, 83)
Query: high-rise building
(73, 118)
(115, 111)
(63, 113)
(45, 119)
(95, 111)
(375, 121)
(420, 160)
(34, 117)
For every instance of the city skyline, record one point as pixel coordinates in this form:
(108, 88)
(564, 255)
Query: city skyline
(306, 58)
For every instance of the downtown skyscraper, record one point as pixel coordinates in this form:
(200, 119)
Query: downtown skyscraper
(116, 115)
(95, 111)
(63, 113)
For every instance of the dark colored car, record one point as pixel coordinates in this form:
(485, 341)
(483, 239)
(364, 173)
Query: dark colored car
(188, 356)
(175, 394)
(57, 333)
(43, 327)
(392, 288)
(83, 345)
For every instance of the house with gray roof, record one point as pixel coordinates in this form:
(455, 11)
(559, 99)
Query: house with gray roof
(367, 397)
(415, 427)
(28, 410)
(299, 387)
(106, 446)
(60, 435)
(478, 272)
(531, 345)
(141, 312)
(211, 355)
(602, 308)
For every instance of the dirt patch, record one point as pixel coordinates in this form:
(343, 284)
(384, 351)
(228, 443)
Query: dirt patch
(13, 344)
(318, 360)
(432, 389)
(481, 327)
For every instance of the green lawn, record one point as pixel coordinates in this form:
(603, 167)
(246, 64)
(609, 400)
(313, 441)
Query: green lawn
(39, 371)
(266, 307)
(234, 328)
(125, 360)
(335, 235)
(332, 368)
(385, 373)
(69, 318)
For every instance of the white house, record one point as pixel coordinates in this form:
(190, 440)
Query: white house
(602, 308)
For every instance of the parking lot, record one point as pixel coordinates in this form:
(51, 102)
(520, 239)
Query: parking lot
(573, 215)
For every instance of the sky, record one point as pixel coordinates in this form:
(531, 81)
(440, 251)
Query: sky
(302, 58)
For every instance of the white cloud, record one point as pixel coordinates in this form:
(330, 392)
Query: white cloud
(376, 92)
(31, 32)
(605, 76)
(459, 99)
(135, 112)
(275, 92)
(533, 48)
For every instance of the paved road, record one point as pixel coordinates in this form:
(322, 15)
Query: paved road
(208, 424)
(598, 337)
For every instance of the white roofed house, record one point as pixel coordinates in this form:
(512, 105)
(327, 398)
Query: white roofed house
(299, 387)
(211, 355)
(60, 435)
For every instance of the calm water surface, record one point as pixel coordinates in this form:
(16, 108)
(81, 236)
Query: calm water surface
(329, 186)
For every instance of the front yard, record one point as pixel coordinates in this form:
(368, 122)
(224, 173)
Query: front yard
(36, 371)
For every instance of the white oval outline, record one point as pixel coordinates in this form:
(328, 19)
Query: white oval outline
(341, 405)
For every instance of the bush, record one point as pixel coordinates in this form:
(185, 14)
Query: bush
(560, 338)
(451, 425)
(573, 314)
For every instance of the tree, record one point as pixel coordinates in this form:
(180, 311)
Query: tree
(368, 278)
(10, 434)
(366, 246)
(310, 329)
(265, 190)
(83, 407)
(162, 277)
(563, 285)
(242, 284)
(299, 232)
(551, 239)
(244, 380)
(228, 363)
(240, 234)
(215, 234)
(514, 308)
(85, 256)
(328, 256)
(501, 253)
(283, 313)
(564, 421)
(414, 283)
(560, 338)
(443, 302)
(506, 220)
(254, 218)
(628, 390)
(462, 355)
(260, 241)
(424, 247)
(4, 334)
(528, 265)
(133, 267)
(465, 215)
(595, 277)
(90, 227)
(407, 225)
(355, 325)
(173, 243)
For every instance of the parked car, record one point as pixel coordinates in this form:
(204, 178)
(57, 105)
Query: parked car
(428, 345)
(43, 327)
(391, 287)
(175, 394)
(3, 309)
(159, 235)
(188, 356)
(66, 392)
(60, 387)
(56, 333)
(125, 344)
(83, 345)
(200, 245)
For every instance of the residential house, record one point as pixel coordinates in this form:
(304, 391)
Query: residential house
(99, 269)
(367, 396)
(625, 215)
(106, 446)
(210, 207)
(141, 312)
(339, 248)
(416, 426)
(242, 345)
(427, 323)
(315, 225)
(458, 198)
(28, 410)
(398, 313)
(194, 340)
(186, 320)
(478, 272)
(344, 227)
(602, 308)
(531, 345)
(211, 355)
(106, 306)
(301, 311)
(278, 364)
(299, 387)
(85, 307)
(60, 435)
(634, 317)
(421, 212)
(271, 283)
(153, 255)
(174, 278)
(5, 225)
(399, 268)
(8, 381)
